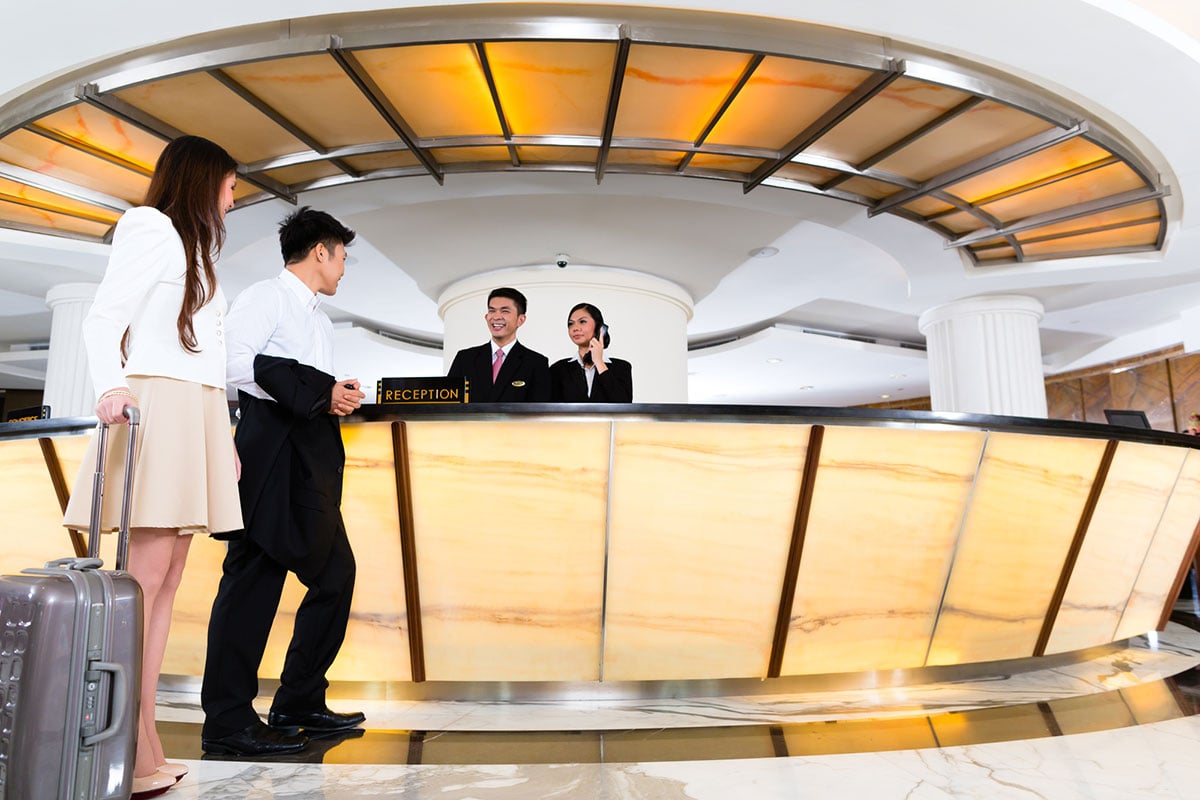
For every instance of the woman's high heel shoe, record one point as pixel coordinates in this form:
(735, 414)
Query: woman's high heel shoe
(151, 785)
(175, 770)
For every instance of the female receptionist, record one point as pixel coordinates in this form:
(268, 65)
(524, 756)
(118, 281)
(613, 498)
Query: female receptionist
(587, 377)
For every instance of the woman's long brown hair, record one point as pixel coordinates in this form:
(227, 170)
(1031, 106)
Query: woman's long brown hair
(186, 186)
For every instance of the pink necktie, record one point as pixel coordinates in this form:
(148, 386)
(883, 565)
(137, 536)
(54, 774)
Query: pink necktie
(496, 364)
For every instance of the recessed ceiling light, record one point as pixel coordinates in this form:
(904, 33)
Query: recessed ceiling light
(764, 252)
(806, 388)
(897, 375)
(884, 396)
(774, 360)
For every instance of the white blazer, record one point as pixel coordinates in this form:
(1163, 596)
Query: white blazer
(142, 290)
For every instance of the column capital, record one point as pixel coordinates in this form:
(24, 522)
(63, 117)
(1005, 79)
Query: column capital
(70, 293)
(982, 304)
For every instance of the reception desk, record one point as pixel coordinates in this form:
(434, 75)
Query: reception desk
(573, 545)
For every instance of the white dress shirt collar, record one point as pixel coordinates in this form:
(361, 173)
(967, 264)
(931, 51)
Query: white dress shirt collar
(309, 299)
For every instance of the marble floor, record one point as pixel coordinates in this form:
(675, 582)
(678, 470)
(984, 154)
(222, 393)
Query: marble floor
(1124, 722)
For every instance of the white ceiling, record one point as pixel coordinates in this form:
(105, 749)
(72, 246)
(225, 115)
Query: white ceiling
(831, 319)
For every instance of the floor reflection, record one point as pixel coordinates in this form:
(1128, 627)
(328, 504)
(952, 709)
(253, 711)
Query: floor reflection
(1140, 704)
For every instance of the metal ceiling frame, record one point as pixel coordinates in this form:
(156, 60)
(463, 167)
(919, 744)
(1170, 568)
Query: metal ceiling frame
(869, 88)
(506, 131)
(273, 114)
(371, 91)
(758, 39)
(620, 61)
(1005, 155)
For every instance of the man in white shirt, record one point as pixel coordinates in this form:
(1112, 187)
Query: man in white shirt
(280, 360)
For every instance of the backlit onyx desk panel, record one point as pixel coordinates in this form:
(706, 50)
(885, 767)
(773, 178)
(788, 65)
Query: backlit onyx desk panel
(667, 543)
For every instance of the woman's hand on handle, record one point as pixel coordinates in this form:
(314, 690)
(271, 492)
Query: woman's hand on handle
(110, 408)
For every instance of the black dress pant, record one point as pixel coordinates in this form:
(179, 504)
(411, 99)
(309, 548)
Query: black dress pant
(242, 615)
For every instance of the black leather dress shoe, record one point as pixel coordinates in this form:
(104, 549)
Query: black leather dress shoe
(322, 720)
(255, 739)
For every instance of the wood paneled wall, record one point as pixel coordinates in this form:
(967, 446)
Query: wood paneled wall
(1165, 384)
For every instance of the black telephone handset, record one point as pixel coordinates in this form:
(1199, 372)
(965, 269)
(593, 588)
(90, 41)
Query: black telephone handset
(587, 357)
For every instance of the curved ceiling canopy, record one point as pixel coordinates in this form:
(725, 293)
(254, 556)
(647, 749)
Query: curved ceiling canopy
(1004, 173)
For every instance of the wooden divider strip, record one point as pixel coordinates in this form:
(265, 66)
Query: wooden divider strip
(783, 618)
(1085, 521)
(408, 550)
(59, 481)
(1192, 560)
(779, 741)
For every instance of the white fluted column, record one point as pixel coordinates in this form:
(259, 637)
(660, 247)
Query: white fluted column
(68, 391)
(985, 356)
(647, 319)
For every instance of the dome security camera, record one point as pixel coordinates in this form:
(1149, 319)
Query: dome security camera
(561, 260)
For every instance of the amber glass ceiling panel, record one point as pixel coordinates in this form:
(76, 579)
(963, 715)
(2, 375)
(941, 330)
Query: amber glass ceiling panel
(655, 158)
(866, 187)
(1062, 158)
(1144, 236)
(556, 88)
(738, 164)
(303, 173)
(100, 130)
(928, 206)
(439, 90)
(40, 154)
(383, 161)
(13, 191)
(1147, 211)
(900, 109)
(557, 155)
(972, 135)
(378, 161)
(674, 92)
(802, 172)
(1110, 180)
(1004, 253)
(468, 155)
(314, 93)
(188, 102)
(781, 99)
(961, 222)
(40, 218)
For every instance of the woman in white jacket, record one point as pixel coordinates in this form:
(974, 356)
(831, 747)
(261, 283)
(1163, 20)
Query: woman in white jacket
(154, 338)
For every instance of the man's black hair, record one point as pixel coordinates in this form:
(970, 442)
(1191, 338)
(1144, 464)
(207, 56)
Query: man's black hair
(305, 228)
(511, 294)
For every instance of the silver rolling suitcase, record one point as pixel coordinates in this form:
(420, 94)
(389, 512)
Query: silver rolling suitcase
(70, 667)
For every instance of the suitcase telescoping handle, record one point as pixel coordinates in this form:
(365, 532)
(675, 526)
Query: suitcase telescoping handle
(134, 416)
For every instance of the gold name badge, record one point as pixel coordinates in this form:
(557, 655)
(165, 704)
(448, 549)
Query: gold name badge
(518, 384)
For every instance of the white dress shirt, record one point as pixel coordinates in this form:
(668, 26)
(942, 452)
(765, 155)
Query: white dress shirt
(142, 290)
(277, 317)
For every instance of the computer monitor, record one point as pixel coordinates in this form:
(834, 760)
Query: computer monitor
(1127, 419)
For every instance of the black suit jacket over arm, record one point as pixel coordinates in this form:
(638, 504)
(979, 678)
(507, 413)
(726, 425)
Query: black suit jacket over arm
(292, 462)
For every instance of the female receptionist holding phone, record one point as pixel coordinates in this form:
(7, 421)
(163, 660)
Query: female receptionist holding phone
(588, 377)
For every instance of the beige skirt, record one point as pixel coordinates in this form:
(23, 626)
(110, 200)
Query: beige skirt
(185, 476)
